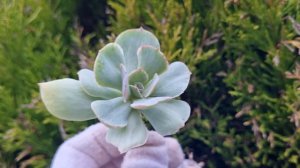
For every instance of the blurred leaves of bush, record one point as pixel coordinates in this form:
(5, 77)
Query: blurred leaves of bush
(244, 57)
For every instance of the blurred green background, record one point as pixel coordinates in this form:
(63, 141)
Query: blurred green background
(243, 54)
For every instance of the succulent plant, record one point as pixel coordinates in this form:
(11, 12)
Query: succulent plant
(131, 82)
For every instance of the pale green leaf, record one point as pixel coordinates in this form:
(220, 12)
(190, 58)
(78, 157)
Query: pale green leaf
(135, 91)
(92, 88)
(107, 66)
(145, 103)
(113, 112)
(173, 82)
(125, 83)
(131, 40)
(151, 60)
(150, 86)
(168, 117)
(138, 76)
(66, 100)
(135, 134)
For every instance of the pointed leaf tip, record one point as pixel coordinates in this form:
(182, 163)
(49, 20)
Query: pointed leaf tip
(66, 100)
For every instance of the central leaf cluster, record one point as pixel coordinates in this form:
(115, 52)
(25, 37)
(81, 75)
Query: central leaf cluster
(137, 84)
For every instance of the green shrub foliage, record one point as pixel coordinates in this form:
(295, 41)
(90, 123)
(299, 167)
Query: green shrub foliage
(34, 47)
(243, 54)
(245, 106)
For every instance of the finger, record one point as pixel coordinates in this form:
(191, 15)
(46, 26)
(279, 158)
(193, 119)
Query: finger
(175, 152)
(152, 154)
(91, 146)
(69, 157)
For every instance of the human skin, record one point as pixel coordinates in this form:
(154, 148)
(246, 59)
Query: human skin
(89, 149)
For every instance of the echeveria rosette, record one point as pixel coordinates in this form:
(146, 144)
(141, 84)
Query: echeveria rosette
(131, 80)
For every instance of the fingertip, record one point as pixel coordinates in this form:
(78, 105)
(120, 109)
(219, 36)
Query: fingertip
(155, 138)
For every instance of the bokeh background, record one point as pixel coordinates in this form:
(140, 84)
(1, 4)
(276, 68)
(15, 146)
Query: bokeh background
(243, 54)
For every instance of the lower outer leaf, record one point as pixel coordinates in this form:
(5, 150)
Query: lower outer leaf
(168, 117)
(133, 135)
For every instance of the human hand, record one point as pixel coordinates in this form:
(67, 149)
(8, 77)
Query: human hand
(89, 149)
